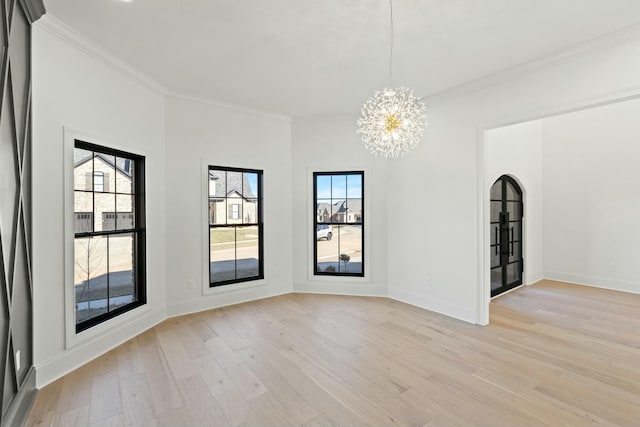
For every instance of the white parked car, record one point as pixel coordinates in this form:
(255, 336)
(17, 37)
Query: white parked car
(324, 232)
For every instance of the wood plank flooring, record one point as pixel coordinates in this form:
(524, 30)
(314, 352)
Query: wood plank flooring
(553, 355)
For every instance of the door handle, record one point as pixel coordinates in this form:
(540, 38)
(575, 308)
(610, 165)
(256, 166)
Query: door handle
(511, 241)
(496, 233)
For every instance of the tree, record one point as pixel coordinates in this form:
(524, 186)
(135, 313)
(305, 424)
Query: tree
(87, 267)
(345, 258)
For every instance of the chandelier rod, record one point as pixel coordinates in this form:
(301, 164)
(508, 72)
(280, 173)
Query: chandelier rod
(392, 38)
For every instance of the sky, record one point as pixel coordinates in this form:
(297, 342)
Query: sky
(338, 187)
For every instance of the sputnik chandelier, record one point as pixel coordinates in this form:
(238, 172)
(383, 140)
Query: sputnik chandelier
(392, 120)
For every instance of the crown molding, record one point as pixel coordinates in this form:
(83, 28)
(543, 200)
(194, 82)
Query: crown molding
(616, 38)
(241, 108)
(73, 37)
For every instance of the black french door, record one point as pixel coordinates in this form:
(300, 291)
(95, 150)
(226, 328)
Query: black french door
(507, 264)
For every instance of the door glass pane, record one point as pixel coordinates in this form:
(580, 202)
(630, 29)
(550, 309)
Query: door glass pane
(515, 230)
(515, 251)
(495, 256)
(496, 191)
(512, 194)
(247, 252)
(496, 278)
(514, 210)
(513, 273)
(496, 208)
(494, 233)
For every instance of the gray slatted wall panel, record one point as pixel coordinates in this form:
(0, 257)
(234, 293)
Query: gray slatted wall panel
(16, 290)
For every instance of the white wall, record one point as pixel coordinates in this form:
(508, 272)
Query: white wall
(441, 234)
(200, 133)
(516, 151)
(332, 144)
(79, 91)
(592, 196)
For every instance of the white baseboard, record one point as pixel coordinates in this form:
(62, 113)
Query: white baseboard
(339, 288)
(596, 282)
(435, 304)
(217, 301)
(74, 357)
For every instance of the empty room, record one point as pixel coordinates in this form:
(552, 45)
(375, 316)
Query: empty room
(320, 213)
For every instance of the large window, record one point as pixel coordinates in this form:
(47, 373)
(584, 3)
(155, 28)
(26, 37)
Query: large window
(235, 225)
(338, 200)
(109, 245)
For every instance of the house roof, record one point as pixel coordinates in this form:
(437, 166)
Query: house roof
(354, 205)
(228, 182)
(82, 156)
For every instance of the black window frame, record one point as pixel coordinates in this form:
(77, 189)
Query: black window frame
(316, 223)
(138, 231)
(259, 224)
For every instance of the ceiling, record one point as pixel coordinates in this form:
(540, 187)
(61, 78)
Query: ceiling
(325, 57)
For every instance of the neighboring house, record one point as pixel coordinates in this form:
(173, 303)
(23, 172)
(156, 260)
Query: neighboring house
(231, 199)
(349, 210)
(104, 187)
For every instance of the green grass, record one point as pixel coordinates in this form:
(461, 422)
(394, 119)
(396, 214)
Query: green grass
(229, 235)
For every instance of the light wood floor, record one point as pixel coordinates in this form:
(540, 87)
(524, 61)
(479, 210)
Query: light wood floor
(554, 355)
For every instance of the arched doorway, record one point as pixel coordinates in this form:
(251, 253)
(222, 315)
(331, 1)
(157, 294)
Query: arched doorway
(506, 216)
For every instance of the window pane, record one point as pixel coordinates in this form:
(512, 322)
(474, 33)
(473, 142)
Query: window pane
(250, 211)
(234, 210)
(90, 277)
(323, 210)
(104, 213)
(250, 185)
(354, 210)
(83, 170)
(338, 211)
(354, 186)
(83, 203)
(327, 249)
(222, 254)
(350, 249)
(338, 187)
(247, 252)
(104, 172)
(323, 186)
(217, 211)
(234, 184)
(121, 273)
(124, 175)
(124, 208)
(218, 183)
